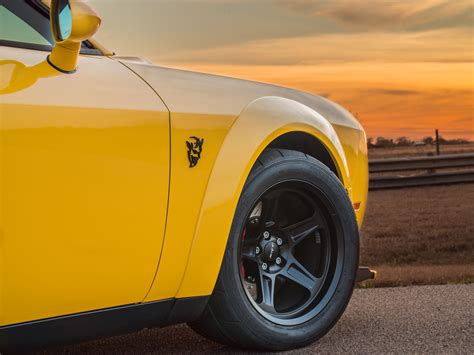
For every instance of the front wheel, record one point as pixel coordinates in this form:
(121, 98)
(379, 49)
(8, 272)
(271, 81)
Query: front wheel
(291, 260)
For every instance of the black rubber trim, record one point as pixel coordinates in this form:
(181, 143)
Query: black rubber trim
(44, 47)
(98, 324)
(59, 69)
(22, 45)
(187, 310)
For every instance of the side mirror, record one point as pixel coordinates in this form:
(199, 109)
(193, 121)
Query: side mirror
(72, 22)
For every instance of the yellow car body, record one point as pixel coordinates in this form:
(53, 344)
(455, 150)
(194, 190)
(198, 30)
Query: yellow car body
(99, 205)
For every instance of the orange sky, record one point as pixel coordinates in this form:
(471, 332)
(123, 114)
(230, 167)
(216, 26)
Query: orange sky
(403, 67)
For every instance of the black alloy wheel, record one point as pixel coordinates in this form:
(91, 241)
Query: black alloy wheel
(289, 253)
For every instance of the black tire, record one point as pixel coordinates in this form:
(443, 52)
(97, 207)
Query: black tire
(231, 317)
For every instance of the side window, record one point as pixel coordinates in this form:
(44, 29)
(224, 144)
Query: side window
(25, 23)
(15, 29)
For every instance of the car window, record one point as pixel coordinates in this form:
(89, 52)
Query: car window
(25, 24)
(13, 28)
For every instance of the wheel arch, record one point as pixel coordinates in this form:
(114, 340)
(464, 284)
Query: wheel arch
(266, 122)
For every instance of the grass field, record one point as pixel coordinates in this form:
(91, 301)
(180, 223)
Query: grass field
(395, 152)
(420, 235)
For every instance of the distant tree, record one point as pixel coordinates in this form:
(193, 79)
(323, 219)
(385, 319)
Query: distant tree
(428, 140)
(384, 142)
(404, 142)
(370, 142)
(457, 141)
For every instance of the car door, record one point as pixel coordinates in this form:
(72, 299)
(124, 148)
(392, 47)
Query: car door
(84, 175)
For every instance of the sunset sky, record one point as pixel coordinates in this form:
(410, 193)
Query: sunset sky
(402, 67)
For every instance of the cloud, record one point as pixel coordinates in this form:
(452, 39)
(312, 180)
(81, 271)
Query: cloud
(404, 67)
(443, 46)
(382, 13)
(393, 92)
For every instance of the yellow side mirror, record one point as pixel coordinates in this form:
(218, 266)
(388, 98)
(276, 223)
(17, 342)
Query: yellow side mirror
(72, 21)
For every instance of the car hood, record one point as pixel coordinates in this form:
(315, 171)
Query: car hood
(199, 93)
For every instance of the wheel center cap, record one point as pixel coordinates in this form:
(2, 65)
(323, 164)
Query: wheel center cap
(271, 251)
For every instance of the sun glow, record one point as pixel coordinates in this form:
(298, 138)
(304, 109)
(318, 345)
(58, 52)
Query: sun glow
(403, 68)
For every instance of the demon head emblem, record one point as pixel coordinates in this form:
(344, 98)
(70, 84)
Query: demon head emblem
(194, 150)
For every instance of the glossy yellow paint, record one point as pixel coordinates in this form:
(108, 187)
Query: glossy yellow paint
(262, 122)
(99, 205)
(84, 185)
(238, 121)
(195, 110)
(187, 190)
(354, 143)
(16, 76)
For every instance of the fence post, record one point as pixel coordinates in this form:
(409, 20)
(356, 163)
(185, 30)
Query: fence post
(437, 142)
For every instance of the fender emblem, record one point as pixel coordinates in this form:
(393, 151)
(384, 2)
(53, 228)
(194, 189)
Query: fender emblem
(194, 150)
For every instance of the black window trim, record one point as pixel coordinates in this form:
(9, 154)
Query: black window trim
(89, 49)
(43, 47)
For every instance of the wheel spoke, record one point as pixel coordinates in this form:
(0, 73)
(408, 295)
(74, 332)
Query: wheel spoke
(301, 230)
(285, 252)
(267, 284)
(248, 250)
(299, 274)
(270, 208)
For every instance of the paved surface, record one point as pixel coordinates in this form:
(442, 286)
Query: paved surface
(431, 319)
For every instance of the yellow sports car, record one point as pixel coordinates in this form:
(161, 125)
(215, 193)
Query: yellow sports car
(134, 195)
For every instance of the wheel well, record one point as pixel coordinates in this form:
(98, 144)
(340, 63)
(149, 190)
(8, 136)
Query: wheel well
(308, 144)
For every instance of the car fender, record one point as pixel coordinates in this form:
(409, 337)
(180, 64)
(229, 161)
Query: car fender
(261, 122)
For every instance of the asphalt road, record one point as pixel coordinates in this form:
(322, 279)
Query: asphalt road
(431, 319)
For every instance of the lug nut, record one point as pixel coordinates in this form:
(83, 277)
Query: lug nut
(266, 235)
(279, 242)
(278, 261)
(258, 250)
(264, 266)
